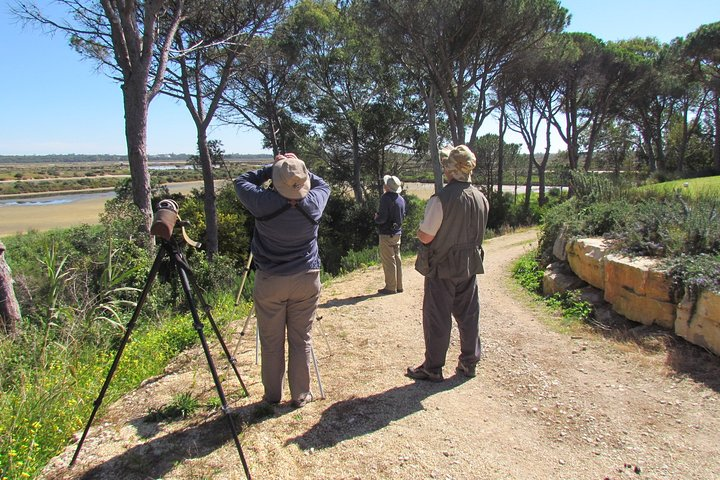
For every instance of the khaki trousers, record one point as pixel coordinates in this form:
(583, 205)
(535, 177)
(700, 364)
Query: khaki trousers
(389, 246)
(286, 302)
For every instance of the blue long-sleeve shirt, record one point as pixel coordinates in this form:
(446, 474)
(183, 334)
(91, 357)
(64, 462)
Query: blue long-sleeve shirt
(391, 213)
(286, 244)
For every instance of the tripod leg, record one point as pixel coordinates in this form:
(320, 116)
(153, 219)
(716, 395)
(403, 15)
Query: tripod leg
(246, 270)
(197, 324)
(322, 331)
(213, 324)
(317, 372)
(242, 332)
(128, 330)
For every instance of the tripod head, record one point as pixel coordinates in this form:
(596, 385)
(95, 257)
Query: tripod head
(166, 219)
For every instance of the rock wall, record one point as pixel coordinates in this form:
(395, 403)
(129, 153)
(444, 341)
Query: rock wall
(640, 290)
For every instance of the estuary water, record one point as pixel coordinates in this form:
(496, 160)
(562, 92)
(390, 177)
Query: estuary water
(45, 212)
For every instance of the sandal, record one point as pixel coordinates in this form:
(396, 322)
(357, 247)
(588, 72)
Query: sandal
(467, 370)
(420, 373)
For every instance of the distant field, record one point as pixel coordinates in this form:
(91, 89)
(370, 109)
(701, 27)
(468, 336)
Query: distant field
(693, 186)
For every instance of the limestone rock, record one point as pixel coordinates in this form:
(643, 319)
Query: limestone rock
(559, 278)
(586, 257)
(639, 290)
(560, 246)
(699, 321)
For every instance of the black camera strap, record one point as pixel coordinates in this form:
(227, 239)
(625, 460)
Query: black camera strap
(290, 204)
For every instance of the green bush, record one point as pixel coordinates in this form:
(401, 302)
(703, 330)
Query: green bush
(528, 272)
(694, 273)
(666, 224)
(529, 275)
(358, 260)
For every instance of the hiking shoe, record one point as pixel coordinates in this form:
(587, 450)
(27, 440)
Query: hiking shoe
(467, 370)
(302, 400)
(420, 373)
(385, 291)
(400, 290)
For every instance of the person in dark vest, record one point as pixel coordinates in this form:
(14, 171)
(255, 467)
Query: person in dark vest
(450, 257)
(287, 277)
(389, 218)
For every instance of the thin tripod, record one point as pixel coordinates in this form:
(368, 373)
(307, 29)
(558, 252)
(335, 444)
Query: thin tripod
(171, 250)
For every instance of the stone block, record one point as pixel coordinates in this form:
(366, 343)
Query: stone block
(560, 246)
(559, 278)
(699, 321)
(639, 290)
(586, 257)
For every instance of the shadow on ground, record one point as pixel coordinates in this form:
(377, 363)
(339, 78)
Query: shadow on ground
(343, 302)
(157, 457)
(360, 416)
(683, 357)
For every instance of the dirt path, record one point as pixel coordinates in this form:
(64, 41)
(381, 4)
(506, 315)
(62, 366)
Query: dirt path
(544, 405)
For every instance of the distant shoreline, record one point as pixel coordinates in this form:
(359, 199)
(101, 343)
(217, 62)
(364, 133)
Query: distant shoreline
(86, 209)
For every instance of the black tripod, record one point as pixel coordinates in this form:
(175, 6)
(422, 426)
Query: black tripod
(170, 249)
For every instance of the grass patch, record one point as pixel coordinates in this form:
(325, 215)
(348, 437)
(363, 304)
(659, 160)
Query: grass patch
(575, 312)
(43, 407)
(693, 187)
(182, 406)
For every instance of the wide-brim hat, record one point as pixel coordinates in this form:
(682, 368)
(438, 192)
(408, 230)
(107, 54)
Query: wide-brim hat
(458, 161)
(393, 183)
(291, 177)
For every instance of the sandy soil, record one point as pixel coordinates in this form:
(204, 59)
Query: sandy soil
(545, 405)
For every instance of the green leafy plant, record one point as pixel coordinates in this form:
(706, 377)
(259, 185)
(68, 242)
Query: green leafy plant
(572, 306)
(182, 406)
(528, 273)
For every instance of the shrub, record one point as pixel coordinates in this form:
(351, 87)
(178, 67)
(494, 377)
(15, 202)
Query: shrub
(694, 273)
(665, 224)
(528, 273)
(357, 260)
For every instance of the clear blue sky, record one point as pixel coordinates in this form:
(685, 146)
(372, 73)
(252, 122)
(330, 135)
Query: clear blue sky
(53, 102)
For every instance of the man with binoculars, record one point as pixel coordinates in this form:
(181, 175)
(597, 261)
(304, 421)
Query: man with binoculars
(287, 277)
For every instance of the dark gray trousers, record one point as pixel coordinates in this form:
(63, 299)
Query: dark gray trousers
(444, 299)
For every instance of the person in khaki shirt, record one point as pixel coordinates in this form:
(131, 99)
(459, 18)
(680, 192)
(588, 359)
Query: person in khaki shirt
(450, 258)
(389, 218)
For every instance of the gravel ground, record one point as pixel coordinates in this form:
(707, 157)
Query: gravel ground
(544, 404)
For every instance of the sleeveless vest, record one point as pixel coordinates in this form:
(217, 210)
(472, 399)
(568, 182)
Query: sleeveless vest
(456, 251)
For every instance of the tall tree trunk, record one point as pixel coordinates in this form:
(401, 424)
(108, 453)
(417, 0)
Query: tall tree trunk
(543, 166)
(682, 150)
(502, 128)
(433, 140)
(594, 131)
(9, 307)
(209, 198)
(528, 185)
(357, 179)
(716, 145)
(572, 140)
(659, 150)
(135, 98)
(274, 128)
(647, 145)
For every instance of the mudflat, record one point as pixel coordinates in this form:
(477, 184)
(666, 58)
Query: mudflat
(85, 208)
